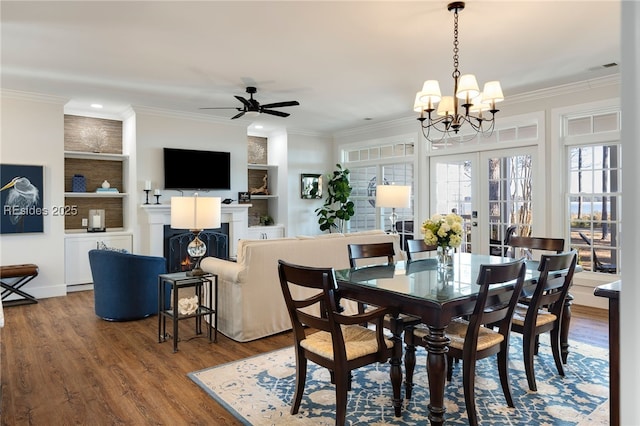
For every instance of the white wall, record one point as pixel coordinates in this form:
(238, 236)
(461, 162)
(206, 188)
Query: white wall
(33, 134)
(630, 299)
(156, 130)
(306, 154)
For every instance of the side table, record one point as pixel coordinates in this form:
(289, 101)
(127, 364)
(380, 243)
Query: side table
(612, 292)
(202, 283)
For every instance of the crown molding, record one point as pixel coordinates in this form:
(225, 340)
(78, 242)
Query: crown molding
(564, 89)
(33, 97)
(160, 112)
(368, 128)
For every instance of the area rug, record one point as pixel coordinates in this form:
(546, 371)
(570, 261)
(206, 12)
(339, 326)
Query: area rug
(258, 391)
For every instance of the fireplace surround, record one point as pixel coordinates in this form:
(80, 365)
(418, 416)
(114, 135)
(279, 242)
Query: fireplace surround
(235, 215)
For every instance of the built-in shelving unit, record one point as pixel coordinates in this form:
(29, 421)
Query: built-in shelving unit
(84, 136)
(263, 205)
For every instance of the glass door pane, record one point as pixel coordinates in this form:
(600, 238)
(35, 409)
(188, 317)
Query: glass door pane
(453, 190)
(509, 199)
(494, 200)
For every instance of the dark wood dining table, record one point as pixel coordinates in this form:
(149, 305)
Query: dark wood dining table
(435, 295)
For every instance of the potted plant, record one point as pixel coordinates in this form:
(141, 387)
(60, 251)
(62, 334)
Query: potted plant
(337, 209)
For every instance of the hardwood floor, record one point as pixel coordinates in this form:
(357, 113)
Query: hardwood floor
(63, 365)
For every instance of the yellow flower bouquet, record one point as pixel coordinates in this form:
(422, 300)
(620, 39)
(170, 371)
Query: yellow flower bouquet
(443, 230)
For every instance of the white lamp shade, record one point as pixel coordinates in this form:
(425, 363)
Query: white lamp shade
(195, 213)
(418, 105)
(467, 87)
(430, 92)
(395, 196)
(478, 104)
(446, 106)
(492, 92)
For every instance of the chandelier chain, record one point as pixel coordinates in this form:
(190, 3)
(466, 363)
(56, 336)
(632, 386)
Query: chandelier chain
(456, 49)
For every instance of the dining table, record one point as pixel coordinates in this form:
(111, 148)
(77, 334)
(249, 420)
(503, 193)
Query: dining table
(434, 294)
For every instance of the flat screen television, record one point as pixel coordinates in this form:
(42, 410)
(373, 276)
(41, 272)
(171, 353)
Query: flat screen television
(194, 169)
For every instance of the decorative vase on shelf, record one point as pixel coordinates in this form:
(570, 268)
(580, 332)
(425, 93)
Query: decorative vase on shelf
(444, 255)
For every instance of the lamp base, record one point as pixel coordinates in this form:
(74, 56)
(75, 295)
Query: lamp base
(393, 218)
(196, 272)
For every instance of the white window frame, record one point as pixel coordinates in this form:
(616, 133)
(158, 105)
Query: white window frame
(560, 173)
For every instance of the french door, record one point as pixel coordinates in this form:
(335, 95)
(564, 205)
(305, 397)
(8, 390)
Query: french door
(492, 191)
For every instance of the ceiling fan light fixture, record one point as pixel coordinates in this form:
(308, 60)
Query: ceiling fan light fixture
(252, 108)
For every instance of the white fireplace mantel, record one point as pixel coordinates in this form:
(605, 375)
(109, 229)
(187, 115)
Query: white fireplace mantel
(159, 215)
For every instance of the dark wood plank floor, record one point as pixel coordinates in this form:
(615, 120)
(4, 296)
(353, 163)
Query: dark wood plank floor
(63, 365)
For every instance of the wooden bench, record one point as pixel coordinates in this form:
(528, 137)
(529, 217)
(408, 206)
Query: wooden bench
(21, 274)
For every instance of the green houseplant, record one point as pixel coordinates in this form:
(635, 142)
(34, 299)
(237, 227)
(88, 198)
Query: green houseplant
(337, 209)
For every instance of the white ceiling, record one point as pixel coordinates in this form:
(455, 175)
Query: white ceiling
(344, 61)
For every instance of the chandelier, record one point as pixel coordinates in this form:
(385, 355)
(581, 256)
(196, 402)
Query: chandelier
(466, 106)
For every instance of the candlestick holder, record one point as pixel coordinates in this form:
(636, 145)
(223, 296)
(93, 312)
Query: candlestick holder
(157, 198)
(147, 192)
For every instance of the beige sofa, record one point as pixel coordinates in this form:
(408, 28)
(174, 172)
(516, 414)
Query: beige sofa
(250, 301)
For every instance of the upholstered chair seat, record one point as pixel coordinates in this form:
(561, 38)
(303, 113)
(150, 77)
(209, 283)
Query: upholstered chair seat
(358, 341)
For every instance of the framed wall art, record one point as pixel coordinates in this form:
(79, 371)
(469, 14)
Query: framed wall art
(310, 186)
(21, 199)
(244, 197)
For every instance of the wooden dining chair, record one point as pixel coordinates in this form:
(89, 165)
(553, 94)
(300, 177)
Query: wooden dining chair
(501, 248)
(547, 245)
(371, 251)
(329, 339)
(402, 323)
(383, 252)
(598, 266)
(544, 311)
(417, 246)
(471, 341)
(535, 243)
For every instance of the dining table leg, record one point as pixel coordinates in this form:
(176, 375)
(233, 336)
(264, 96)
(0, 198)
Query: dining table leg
(437, 344)
(564, 328)
(397, 326)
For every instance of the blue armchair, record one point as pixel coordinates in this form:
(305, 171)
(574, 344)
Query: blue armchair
(125, 285)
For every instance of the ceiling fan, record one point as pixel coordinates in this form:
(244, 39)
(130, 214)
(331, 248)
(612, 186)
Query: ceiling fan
(252, 107)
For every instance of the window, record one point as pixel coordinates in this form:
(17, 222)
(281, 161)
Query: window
(374, 165)
(594, 192)
(595, 205)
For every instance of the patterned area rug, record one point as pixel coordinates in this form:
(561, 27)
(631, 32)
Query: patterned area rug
(258, 391)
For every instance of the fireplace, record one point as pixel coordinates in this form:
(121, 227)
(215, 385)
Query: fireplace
(234, 215)
(177, 240)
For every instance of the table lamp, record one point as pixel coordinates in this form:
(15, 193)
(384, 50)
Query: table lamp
(195, 214)
(394, 197)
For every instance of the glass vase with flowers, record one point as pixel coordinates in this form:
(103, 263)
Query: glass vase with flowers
(445, 232)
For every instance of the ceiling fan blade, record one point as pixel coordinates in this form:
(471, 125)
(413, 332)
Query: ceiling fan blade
(238, 115)
(278, 113)
(281, 104)
(244, 101)
(239, 109)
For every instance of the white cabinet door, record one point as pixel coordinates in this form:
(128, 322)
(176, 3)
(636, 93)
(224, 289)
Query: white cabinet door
(265, 232)
(76, 254)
